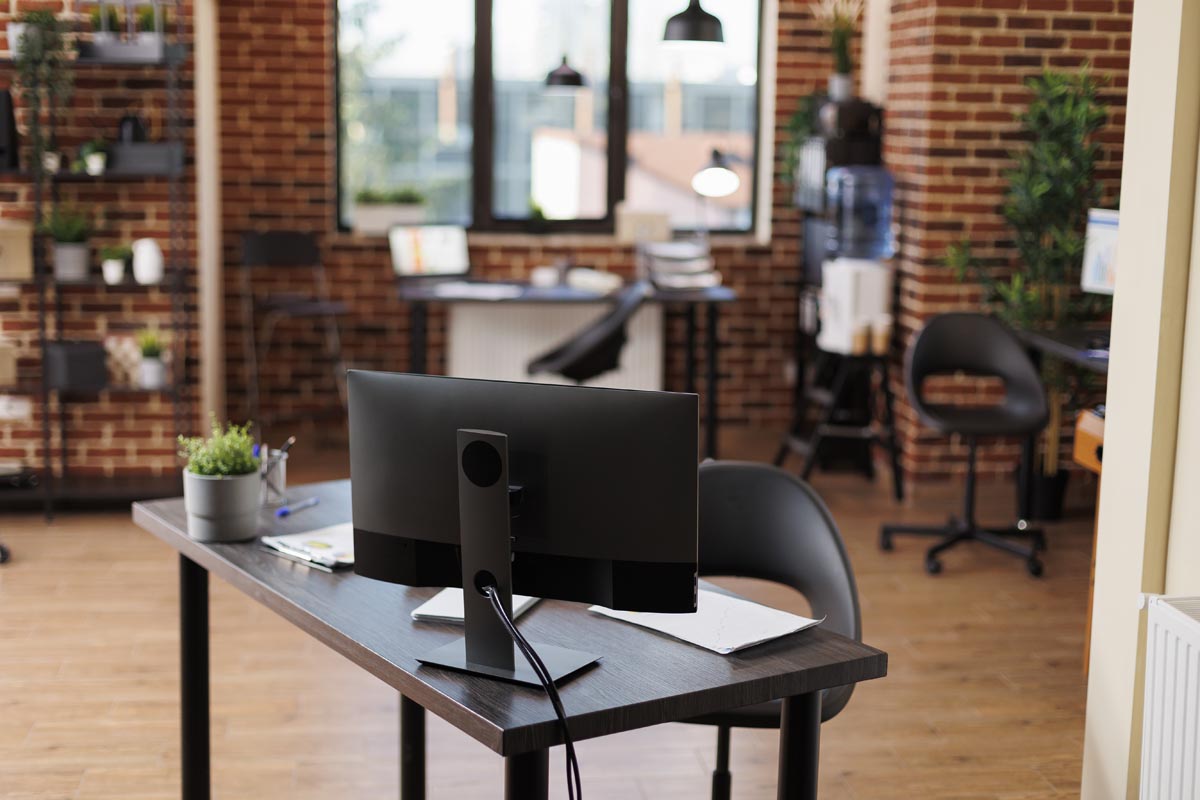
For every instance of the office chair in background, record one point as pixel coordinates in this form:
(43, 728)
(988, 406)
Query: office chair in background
(286, 249)
(981, 346)
(757, 521)
(596, 349)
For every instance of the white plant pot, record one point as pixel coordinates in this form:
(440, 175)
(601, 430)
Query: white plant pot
(105, 37)
(15, 31)
(841, 87)
(377, 220)
(152, 373)
(70, 262)
(96, 163)
(221, 508)
(148, 266)
(52, 162)
(113, 270)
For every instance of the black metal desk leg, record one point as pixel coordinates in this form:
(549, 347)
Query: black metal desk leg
(418, 337)
(527, 776)
(689, 351)
(711, 346)
(1027, 468)
(193, 678)
(412, 750)
(799, 746)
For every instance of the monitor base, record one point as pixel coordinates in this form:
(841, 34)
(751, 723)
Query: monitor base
(561, 663)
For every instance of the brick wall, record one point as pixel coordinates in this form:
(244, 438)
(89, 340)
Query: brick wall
(122, 431)
(278, 170)
(956, 73)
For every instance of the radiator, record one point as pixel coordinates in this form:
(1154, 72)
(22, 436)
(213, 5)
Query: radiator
(497, 341)
(1171, 714)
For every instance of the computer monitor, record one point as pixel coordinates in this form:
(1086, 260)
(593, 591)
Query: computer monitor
(1100, 251)
(597, 487)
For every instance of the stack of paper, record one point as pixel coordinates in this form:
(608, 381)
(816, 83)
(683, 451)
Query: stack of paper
(447, 606)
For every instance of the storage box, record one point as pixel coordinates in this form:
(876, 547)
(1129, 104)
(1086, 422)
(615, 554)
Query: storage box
(8, 365)
(76, 367)
(16, 251)
(145, 158)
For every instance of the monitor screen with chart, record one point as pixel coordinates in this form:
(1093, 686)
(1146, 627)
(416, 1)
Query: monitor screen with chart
(1100, 251)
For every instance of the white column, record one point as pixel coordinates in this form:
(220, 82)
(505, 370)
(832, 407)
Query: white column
(209, 258)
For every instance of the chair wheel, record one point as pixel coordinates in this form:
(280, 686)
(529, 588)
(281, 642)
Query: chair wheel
(1035, 567)
(933, 566)
(885, 543)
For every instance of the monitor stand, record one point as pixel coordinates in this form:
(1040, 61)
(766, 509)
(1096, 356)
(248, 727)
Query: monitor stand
(484, 515)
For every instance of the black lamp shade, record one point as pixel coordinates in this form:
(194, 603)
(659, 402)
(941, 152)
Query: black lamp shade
(693, 24)
(564, 75)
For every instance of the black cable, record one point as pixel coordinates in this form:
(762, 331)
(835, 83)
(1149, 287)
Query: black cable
(574, 781)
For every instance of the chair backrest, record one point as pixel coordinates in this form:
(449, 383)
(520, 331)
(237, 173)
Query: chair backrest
(597, 348)
(757, 521)
(280, 249)
(978, 345)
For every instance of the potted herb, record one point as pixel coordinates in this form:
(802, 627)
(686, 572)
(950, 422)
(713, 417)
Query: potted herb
(106, 25)
(1050, 189)
(113, 260)
(221, 484)
(152, 372)
(70, 230)
(152, 22)
(95, 157)
(840, 18)
(377, 211)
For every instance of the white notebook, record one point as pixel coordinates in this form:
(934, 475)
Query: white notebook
(722, 623)
(447, 606)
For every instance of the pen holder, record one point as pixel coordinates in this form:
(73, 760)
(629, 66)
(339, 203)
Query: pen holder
(274, 483)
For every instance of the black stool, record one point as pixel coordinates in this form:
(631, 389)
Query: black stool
(982, 346)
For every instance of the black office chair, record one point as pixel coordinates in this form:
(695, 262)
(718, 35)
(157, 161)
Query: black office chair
(757, 521)
(983, 346)
(597, 348)
(286, 249)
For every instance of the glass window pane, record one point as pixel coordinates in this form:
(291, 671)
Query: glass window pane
(405, 93)
(685, 100)
(551, 144)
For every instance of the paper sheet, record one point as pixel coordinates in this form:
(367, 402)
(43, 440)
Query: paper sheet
(331, 547)
(447, 606)
(722, 623)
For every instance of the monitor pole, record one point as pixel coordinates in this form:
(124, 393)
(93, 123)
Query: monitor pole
(485, 531)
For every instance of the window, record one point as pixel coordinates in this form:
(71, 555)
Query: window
(454, 104)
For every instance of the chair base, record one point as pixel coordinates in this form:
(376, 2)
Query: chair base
(955, 532)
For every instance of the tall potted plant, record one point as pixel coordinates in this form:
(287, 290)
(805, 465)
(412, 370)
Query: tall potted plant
(1050, 189)
(840, 18)
(221, 484)
(46, 81)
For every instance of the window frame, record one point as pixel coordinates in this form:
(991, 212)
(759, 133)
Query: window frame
(483, 122)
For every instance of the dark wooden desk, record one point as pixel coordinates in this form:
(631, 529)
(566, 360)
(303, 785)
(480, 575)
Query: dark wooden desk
(643, 679)
(419, 293)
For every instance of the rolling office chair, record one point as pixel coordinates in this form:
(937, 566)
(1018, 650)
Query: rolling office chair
(286, 249)
(757, 521)
(983, 346)
(597, 348)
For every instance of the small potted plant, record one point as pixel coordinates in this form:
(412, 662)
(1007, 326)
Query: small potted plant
(840, 18)
(113, 260)
(70, 230)
(16, 30)
(95, 157)
(376, 212)
(221, 484)
(152, 372)
(152, 21)
(106, 25)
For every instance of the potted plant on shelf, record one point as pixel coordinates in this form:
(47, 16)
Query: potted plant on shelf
(840, 18)
(94, 155)
(15, 30)
(152, 371)
(70, 230)
(106, 24)
(152, 22)
(1050, 189)
(221, 484)
(113, 260)
(45, 79)
(377, 211)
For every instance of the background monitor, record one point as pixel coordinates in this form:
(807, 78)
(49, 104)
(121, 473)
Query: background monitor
(1100, 251)
(607, 510)
(429, 250)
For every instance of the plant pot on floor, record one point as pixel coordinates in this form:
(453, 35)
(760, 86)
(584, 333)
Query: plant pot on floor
(152, 373)
(221, 508)
(70, 262)
(1047, 494)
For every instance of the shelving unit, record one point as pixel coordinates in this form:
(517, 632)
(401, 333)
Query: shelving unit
(69, 488)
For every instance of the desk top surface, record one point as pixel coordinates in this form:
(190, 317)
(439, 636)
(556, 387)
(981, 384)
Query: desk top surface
(425, 290)
(643, 678)
(1068, 344)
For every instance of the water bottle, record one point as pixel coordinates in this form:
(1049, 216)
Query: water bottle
(859, 209)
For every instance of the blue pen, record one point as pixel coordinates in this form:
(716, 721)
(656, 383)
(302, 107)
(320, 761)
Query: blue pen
(303, 504)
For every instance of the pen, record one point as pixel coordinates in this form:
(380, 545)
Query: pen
(303, 504)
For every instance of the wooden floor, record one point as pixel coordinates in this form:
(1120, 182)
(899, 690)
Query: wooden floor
(984, 698)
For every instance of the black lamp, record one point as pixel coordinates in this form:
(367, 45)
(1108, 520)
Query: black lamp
(564, 76)
(693, 24)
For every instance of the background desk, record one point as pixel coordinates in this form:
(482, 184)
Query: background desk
(420, 293)
(643, 679)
